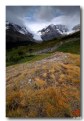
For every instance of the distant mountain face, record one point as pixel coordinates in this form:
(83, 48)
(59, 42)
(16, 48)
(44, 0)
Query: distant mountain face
(76, 28)
(16, 35)
(53, 31)
(17, 29)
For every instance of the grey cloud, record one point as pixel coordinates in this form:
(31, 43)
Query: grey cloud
(44, 13)
(48, 12)
(16, 14)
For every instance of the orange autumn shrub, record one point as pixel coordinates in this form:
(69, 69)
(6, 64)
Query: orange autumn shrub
(76, 113)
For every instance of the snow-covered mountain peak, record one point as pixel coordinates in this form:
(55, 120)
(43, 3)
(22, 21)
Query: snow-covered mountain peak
(53, 31)
(17, 28)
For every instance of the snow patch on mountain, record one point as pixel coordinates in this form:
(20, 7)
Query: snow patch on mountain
(21, 32)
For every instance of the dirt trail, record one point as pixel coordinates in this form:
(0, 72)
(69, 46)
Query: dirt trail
(51, 49)
(15, 71)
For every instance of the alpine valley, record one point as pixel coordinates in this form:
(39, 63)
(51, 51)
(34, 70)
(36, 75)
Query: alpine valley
(42, 76)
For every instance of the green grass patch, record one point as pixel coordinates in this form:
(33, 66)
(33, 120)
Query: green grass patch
(71, 47)
(29, 59)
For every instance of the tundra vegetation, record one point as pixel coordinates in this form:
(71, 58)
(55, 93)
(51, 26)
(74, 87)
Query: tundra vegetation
(45, 85)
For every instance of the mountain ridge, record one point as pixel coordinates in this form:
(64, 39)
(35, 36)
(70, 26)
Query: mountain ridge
(53, 31)
(50, 32)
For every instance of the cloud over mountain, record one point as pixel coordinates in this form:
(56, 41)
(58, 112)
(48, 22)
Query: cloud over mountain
(35, 18)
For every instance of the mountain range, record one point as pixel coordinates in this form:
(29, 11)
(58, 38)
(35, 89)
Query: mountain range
(19, 34)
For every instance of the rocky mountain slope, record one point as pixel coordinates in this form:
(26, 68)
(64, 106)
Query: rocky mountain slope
(76, 28)
(16, 28)
(17, 35)
(53, 31)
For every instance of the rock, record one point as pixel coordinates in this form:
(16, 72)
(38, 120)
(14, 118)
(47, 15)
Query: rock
(29, 81)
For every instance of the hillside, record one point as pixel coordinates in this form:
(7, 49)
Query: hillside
(46, 88)
(38, 51)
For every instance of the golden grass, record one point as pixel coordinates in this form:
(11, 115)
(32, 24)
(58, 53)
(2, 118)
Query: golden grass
(53, 92)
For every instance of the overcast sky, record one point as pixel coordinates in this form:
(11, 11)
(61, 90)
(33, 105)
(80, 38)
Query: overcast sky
(34, 18)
